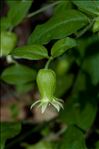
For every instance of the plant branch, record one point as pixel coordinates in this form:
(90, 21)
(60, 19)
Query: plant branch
(48, 62)
(42, 9)
(85, 29)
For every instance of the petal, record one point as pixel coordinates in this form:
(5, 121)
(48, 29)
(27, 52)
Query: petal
(56, 105)
(36, 102)
(61, 100)
(44, 106)
(57, 99)
(60, 104)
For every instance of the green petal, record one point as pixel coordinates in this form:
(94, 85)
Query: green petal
(44, 106)
(60, 104)
(56, 105)
(59, 100)
(36, 102)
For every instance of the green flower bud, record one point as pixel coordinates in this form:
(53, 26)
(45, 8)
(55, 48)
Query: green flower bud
(46, 81)
(8, 42)
(62, 67)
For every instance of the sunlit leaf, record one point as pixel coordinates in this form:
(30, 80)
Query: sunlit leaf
(62, 45)
(89, 6)
(18, 11)
(31, 52)
(59, 26)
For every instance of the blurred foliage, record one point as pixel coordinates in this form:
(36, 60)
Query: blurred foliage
(8, 130)
(73, 138)
(41, 145)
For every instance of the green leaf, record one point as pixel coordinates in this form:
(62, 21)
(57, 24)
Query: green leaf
(8, 130)
(23, 88)
(63, 5)
(62, 46)
(73, 139)
(89, 6)
(18, 74)
(80, 111)
(17, 11)
(59, 26)
(40, 145)
(31, 52)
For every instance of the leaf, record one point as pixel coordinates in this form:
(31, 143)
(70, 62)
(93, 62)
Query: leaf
(59, 26)
(18, 11)
(63, 5)
(40, 145)
(18, 74)
(23, 88)
(31, 52)
(62, 46)
(8, 130)
(80, 110)
(73, 139)
(89, 6)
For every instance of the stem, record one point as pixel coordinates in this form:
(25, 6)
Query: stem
(48, 62)
(42, 9)
(85, 29)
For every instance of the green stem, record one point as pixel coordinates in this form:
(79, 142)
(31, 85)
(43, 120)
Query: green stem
(42, 9)
(85, 29)
(48, 62)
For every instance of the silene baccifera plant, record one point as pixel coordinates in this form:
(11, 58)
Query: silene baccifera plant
(67, 24)
(46, 78)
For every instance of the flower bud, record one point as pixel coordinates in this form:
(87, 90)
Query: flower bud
(62, 67)
(46, 81)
